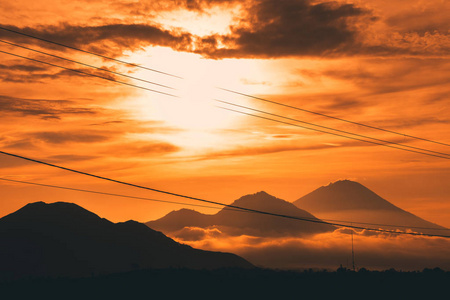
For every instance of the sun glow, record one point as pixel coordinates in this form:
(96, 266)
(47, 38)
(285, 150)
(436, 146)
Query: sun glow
(195, 107)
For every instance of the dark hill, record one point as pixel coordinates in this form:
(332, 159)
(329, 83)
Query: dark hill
(237, 222)
(63, 239)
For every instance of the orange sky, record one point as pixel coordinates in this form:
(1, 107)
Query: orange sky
(383, 63)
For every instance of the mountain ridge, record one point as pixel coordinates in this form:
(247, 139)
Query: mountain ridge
(236, 222)
(64, 239)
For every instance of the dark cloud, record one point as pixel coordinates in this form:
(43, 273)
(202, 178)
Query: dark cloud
(146, 127)
(111, 39)
(144, 148)
(107, 123)
(410, 123)
(150, 8)
(63, 137)
(83, 72)
(21, 67)
(34, 140)
(11, 162)
(9, 77)
(296, 28)
(70, 158)
(18, 73)
(19, 144)
(339, 104)
(290, 28)
(46, 109)
(281, 136)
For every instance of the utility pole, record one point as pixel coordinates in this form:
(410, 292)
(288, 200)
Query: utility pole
(353, 254)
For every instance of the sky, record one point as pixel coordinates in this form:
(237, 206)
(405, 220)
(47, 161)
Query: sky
(381, 63)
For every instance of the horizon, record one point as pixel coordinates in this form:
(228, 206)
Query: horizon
(198, 207)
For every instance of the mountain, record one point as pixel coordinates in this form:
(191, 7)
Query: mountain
(349, 200)
(236, 222)
(63, 239)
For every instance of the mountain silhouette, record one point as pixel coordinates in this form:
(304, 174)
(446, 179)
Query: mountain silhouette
(236, 222)
(351, 201)
(63, 239)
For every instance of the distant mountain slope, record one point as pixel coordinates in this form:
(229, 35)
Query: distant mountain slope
(349, 200)
(63, 239)
(236, 222)
(178, 219)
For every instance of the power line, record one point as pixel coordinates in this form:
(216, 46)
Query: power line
(229, 90)
(325, 127)
(331, 117)
(88, 65)
(106, 194)
(89, 74)
(198, 205)
(215, 202)
(229, 103)
(89, 52)
(332, 133)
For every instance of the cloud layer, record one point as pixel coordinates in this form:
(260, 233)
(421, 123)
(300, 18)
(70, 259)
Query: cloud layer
(329, 250)
(260, 29)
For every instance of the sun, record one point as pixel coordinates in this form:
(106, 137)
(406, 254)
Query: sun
(194, 107)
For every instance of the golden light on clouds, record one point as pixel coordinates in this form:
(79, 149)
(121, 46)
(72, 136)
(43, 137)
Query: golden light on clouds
(328, 250)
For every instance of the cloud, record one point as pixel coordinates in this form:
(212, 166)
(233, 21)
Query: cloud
(342, 103)
(289, 28)
(197, 233)
(299, 28)
(261, 150)
(244, 151)
(19, 144)
(42, 107)
(260, 29)
(21, 67)
(411, 123)
(63, 137)
(10, 162)
(143, 148)
(107, 123)
(108, 39)
(30, 74)
(392, 75)
(330, 250)
(70, 158)
(428, 16)
(140, 8)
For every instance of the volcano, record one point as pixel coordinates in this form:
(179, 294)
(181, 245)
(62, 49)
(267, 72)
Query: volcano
(351, 201)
